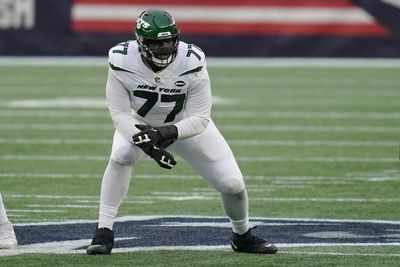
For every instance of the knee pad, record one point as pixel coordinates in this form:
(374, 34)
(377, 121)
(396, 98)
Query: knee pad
(123, 155)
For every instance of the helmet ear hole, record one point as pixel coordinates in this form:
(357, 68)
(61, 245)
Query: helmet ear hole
(154, 28)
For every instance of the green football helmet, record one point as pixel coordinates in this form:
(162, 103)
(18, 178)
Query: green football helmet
(157, 36)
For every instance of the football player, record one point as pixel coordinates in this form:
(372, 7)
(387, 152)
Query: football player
(7, 235)
(159, 96)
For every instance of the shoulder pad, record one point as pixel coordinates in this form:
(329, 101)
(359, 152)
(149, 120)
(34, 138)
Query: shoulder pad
(194, 58)
(117, 56)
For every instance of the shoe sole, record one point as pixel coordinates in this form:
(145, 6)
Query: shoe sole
(97, 250)
(272, 251)
(8, 246)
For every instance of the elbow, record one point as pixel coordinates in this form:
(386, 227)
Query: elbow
(118, 119)
(193, 126)
(200, 124)
(203, 123)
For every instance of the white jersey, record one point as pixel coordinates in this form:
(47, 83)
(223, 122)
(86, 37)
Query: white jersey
(180, 94)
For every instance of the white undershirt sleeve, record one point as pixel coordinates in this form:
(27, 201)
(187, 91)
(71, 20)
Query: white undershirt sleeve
(197, 107)
(118, 102)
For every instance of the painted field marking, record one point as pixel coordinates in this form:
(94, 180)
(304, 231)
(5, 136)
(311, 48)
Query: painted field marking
(34, 211)
(223, 127)
(62, 206)
(55, 127)
(57, 102)
(213, 62)
(309, 128)
(248, 142)
(90, 113)
(319, 159)
(342, 253)
(69, 246)
(317, 143)
(53, 113)
(331, 200)
(198, 196)
(243, 159)
(56, 141)
(88, 102)
(367, 177)
(308, 233)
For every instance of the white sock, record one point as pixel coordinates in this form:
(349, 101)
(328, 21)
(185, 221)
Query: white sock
(107, 215)
(114, 188)
(236, 207)
(3, 214)
(240, 227)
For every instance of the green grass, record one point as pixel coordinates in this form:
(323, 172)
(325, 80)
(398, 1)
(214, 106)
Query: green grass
(289, 109)
(194, 258)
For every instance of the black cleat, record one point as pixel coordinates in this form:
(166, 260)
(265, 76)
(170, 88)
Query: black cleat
(249, 243)
(102, 242)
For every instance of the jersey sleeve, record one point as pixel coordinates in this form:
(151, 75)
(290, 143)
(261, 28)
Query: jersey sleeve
(198, 103)
(117, 56)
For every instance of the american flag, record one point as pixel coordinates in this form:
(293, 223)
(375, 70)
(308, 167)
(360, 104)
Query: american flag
(238, 17)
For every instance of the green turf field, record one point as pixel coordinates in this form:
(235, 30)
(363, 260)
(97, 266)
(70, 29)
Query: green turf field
(312, 142)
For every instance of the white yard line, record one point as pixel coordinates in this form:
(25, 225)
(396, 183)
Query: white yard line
(213, 62)
(276, 179)
(223, 127)
(346, 254)
(248, 142)
(69, 206)
(308, 115)
(320, 159)
(70, 247)
(50, 175)
(243, 159)
(56, 141)
(160, 216)
(309, 128)
(53, 113)
(33, 211)
(198, 196)
(333, 143)
(55, 127)
(90, 113)
(331, 200)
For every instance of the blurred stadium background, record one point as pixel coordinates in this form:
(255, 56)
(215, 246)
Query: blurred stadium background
(223, 28)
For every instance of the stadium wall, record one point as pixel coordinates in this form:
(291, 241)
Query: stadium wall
(223, 28)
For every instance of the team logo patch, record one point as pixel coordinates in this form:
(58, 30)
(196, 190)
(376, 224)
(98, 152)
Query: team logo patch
(200, 233)
(180, 83)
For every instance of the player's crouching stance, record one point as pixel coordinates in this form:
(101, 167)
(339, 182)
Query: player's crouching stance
(166, 84)
(7, 235)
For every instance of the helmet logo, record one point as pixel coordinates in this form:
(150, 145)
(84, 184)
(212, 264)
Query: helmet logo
(164, 34)
(142, 24)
